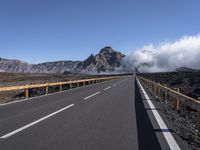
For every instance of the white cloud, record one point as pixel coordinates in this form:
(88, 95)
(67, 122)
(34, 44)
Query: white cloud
(167, 56)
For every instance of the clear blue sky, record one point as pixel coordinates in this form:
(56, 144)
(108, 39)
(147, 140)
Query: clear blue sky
(49, 30)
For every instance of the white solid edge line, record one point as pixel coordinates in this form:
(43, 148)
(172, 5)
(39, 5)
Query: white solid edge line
(107, 88)
(168, 136)
(35, 122)
(92, 95)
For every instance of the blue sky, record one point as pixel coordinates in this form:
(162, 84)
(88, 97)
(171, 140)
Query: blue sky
(48, 30)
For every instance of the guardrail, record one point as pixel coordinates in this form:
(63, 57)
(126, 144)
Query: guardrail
(77, 83)
(173, 96)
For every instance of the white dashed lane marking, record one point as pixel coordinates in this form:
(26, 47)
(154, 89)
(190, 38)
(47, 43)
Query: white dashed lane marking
(35, 122)
(92, 95)
(107, 88)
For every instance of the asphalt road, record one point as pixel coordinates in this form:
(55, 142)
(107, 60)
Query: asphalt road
(107, 116)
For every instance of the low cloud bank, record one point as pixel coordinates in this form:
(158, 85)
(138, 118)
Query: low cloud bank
(167, 56)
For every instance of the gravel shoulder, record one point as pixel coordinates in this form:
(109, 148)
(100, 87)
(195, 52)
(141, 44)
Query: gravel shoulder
(183, 121)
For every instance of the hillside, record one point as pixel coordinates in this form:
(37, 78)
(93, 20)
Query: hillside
(107, 60)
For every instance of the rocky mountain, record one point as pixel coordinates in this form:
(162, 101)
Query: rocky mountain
(7, 65)
(55, 67)
(107, 60)
(17, 66)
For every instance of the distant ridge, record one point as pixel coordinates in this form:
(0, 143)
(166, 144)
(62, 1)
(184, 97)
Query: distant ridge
(187, 69)
(107, 60)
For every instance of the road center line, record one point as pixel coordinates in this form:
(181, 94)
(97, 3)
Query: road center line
(35, 122)
(168, 136)
(120, 81)
(107, 88)
(114, 84)
(92, 95)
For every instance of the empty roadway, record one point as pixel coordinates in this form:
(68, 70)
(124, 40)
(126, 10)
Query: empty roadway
(111, 115)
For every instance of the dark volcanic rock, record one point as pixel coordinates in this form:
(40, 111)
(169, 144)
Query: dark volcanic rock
(187, 82)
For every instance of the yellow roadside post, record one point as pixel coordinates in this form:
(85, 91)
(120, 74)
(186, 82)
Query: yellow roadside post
(46, 89)
(26, 93)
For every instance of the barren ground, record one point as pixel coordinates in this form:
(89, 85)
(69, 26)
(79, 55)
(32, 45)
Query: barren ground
(12, 79)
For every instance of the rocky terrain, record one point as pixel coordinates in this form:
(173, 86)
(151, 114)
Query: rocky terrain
(183, 121)
(187, 81)
(106, 61)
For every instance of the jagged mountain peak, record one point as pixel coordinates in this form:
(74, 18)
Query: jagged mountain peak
(107, 60)
(107, 49)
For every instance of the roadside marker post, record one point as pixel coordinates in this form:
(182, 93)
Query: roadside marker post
(26, 93)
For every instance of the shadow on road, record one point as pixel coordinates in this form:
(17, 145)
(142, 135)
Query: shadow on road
(146, 134)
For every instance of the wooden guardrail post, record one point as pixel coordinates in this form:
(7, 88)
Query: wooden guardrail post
(176, 100)
(150, 87)
(77, 84)
(26, 93)
(159, 91)
(46, 90)
(70, 85)
(165, 92)
(60, 87)
(154, 89)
